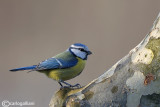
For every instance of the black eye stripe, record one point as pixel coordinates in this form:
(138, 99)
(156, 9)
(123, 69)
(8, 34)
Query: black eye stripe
(81, 49)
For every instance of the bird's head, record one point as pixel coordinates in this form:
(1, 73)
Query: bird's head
(80, 50)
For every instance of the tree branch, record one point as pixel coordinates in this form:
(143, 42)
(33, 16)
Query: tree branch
(133, 81)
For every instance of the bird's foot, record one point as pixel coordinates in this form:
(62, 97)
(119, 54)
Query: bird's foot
(69, 85)
(76, 85)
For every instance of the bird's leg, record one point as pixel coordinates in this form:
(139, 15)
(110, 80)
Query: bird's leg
(60, 84)
(66, 83)
(76, 85)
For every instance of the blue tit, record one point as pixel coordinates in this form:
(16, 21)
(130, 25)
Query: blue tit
(63, 66)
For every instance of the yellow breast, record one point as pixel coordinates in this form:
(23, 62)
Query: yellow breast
(68, 73)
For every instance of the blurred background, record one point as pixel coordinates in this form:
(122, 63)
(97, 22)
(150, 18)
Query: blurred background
(34, 30)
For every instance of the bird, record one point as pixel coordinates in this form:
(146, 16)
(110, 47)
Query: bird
(63, 66)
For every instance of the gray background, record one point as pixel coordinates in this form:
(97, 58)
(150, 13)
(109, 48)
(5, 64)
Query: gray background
(34, 30)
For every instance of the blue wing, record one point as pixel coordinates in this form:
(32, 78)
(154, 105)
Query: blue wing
(61, 61)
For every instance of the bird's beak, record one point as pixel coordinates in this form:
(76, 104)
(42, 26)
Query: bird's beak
(89, 52)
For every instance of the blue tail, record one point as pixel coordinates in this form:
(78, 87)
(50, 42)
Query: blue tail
(24, 68)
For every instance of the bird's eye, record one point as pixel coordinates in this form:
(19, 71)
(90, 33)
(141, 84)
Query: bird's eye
(81, 49)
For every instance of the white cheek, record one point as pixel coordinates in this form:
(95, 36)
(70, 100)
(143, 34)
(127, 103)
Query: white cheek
(79, 53)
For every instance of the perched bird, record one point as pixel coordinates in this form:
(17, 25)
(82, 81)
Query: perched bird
(63, 66)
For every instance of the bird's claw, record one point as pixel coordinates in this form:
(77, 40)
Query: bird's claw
(76, 85)
(71, 86)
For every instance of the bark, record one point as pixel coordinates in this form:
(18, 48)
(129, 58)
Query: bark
(134, 81)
